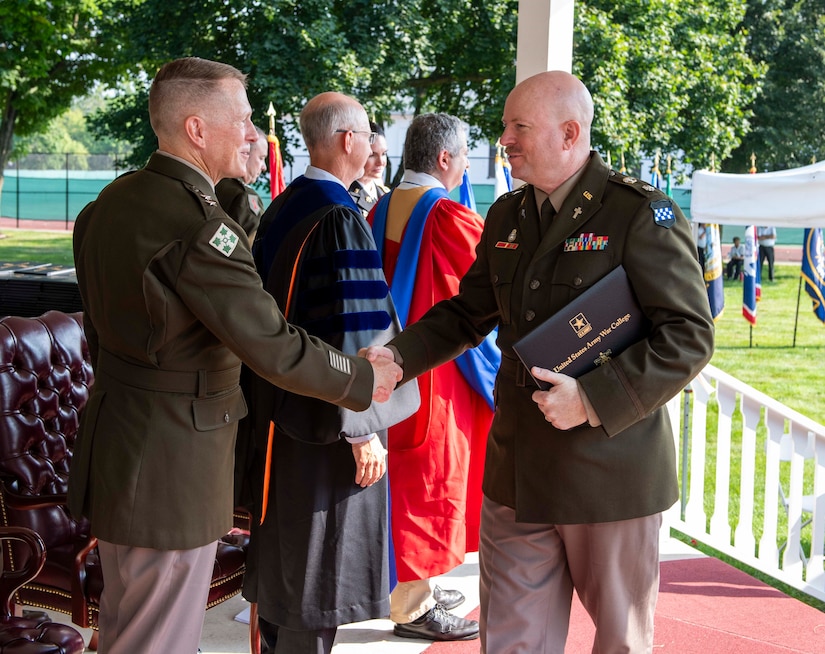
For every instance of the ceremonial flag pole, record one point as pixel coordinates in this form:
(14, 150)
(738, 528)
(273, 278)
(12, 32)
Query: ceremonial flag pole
(712, 264)
(503, 182)
(655, 173)
(276, 164)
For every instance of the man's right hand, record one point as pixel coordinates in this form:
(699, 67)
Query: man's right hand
(387, 374)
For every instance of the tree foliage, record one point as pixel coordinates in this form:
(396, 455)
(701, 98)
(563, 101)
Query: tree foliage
(788, 125)
(51, 51)
(666, 76)
(674, 76)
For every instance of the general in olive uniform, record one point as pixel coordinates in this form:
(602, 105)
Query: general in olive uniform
(172, 306)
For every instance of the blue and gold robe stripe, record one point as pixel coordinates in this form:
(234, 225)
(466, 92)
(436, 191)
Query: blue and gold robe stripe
(357, 285)
(586, 243)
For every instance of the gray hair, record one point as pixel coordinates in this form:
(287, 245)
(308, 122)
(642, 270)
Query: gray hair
(319, 120)
(428, 135)
(185, 83)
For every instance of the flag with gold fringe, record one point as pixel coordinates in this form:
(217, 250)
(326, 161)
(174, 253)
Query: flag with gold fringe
(713, 271)
(813, 270)
(276, 164)
(503, 180)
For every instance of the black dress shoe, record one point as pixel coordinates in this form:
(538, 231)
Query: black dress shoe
(449, 599)
(437, 624)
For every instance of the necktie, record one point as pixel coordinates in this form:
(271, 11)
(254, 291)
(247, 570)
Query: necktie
(547, 214)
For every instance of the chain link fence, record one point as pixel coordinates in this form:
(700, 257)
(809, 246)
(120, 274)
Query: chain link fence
(55, 186)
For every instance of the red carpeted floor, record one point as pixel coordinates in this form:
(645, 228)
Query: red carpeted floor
(707, 607)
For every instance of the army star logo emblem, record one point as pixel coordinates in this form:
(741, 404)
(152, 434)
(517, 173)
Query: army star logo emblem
(224, 240)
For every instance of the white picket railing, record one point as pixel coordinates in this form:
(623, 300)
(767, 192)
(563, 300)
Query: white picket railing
(782, 463)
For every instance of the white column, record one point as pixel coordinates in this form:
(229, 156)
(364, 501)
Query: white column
(545, 37)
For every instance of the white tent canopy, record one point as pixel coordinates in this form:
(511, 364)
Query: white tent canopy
(785, 198)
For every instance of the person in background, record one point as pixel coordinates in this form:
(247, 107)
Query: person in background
(428, 242)
(576, 477)
(236, 195)
(766, 237)
(737, 259)
(172, 305)
(369, 188)
(319, 552)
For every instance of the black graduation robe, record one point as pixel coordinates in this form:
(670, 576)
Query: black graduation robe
(320, 558)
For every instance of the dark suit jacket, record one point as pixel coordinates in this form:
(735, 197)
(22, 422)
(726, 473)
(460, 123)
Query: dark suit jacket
(624, 468)
(172, 306)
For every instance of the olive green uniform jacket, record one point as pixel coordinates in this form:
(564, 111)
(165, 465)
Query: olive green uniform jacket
(173, 304)
(624, 468)
(242, 203)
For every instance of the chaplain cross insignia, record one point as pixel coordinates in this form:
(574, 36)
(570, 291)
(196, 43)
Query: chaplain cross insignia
(224, 240)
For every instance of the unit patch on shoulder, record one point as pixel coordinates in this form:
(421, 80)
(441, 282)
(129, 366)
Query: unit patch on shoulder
(224, 240)
(254, 203)
(663, 213)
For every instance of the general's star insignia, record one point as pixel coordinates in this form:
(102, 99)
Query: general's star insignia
(224, 240)
(207, 198)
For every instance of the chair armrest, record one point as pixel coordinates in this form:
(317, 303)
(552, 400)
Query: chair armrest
(11, 580)
(27, 502)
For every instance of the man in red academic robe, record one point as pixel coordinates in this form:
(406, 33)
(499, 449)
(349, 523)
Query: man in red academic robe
(436, 456)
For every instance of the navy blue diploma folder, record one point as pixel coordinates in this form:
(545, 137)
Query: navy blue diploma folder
(588, 332)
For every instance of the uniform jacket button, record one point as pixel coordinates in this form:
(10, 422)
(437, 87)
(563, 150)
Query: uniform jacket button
(577, 281)
(529, 315)
(534, 284)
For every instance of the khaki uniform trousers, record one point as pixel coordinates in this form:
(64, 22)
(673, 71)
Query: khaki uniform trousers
(529, 571)
(409, 600)
(153, 600)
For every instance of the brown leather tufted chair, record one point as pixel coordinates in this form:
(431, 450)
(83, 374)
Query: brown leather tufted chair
(28, 635)
(45, 377)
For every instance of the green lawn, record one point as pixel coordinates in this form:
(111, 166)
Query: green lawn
(766, 356)
(37, 246)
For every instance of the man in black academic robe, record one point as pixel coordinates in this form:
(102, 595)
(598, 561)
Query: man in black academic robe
(320, 557)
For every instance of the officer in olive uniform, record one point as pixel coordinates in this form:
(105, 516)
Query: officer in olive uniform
(575, 477)
(238, 198)
(172, 306)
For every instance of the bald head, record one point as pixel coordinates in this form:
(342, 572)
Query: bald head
(564, 97)
(336, 131)
(547, 120)
(328, 112)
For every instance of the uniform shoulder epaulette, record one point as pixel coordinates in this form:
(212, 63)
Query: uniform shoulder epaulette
(635, 183)
(512, 194)
(209, 202)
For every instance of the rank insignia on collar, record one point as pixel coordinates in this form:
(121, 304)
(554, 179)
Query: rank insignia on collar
(586, 243)
(207, 198)
(648, 188)
(663, 213)
(224, 240)
(630, 180)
